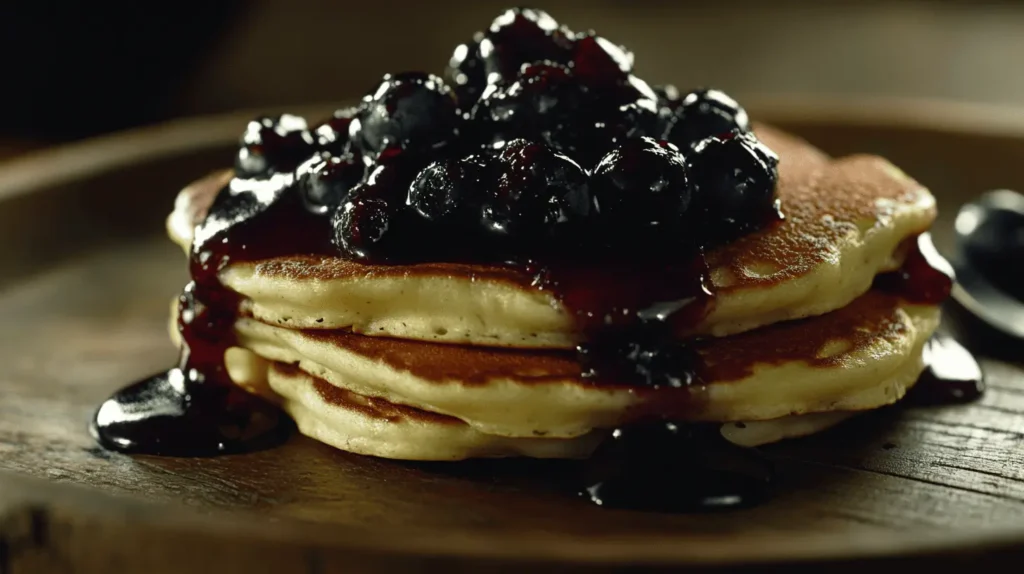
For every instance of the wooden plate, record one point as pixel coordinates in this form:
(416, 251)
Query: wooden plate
(87, 278)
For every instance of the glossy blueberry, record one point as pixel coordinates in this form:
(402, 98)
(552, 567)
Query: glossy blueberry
(667, 94)
(443, 189)
(361, 225)
(642, 183)
(331, 136)
(411, 111)
(596, 60)
(539, 193)
(540, 104)
(640, 118)
(273, 144)
(733, 179)
(392, 173)
(522, 36)
(465, 73)
(705, 113)
(669, 101)
(326, 181)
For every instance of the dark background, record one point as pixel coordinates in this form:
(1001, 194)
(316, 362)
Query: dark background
(74, 69)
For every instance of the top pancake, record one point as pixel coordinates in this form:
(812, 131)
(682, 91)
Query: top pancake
(845, 221)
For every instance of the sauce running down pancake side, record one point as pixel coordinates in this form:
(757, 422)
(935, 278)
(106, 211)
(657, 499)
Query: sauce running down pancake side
(952, 375)
(627, 312)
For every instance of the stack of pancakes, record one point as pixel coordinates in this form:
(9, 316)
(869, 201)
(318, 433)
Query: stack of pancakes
(444, 361)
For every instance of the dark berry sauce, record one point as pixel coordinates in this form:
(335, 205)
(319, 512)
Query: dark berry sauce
(667, 467)
(952, 375)
(629, 316)
(194, 409)
(925, 277)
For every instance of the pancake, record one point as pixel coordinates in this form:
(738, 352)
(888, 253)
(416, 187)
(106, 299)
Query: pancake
(373, 426)
(845, 222)
(860, 357)
(376, 427)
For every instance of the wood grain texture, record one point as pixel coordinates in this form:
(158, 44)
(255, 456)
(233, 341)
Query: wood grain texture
(84, 307)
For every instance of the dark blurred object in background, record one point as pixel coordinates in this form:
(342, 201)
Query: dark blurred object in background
(76, 68)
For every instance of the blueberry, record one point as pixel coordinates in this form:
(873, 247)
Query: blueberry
(325, 182)
(633, 89)
(361, 225)
(733, 179)
(443, 188)
(541, 104)
(705, 113)
(640, 118)
(465, 73)
(596, 60)
(393, 171)
(522, 36)
(411, 110)
(593, 137)
(668, 94)
(614, 113)
(642, 186)
(637, 358)
(273, 144)
(331, 137)
(669, 101)
(540, 193)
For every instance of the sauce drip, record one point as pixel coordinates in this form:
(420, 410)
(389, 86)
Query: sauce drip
(925, 277)
(952, 375)
(193, 409)
(629, 316)
(675, 468)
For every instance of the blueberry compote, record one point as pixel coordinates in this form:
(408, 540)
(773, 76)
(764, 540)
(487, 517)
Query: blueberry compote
(539, 149)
